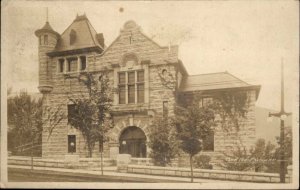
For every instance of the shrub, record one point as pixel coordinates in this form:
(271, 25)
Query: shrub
(203, 162)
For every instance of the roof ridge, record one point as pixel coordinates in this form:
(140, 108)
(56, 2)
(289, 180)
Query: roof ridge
(87, 23)
(206, 74)
(238, 78)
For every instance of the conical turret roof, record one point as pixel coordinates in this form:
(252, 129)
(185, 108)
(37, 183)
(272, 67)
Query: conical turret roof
(46, 28)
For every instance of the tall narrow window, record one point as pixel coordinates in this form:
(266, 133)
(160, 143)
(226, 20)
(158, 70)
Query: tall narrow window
(165, 109)
(82, 63)
(61, 63)
(46, 39)
(122, 90)
(72, 64)
(71, 143)
(208, 142)
(40, 40)
(71, 113)
(140, 87)
(131, 87)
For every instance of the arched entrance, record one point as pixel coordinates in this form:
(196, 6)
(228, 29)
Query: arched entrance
(133, 142)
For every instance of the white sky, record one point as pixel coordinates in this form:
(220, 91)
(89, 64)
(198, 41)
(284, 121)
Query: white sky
(246, 38)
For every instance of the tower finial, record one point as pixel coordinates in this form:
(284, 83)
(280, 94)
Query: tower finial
(46, 14)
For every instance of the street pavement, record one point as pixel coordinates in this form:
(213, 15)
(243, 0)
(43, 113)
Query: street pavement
(110, 175)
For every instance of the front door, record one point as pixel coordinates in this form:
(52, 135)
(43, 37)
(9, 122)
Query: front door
(133, 142)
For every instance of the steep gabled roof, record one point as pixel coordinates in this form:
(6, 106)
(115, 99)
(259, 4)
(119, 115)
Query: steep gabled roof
(85, 36)
(211, 81)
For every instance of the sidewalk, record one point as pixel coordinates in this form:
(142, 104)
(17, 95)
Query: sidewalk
(111, 171)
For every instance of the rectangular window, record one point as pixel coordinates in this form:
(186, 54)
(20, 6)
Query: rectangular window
(131, 93)
(140, 87)
(131, 78)
(122, 90)
(46, 39)
(40, 40)
(133, 88)
(165, 109)
(122, 94)
(140, 76)
(82, 63)
(72, 64)
(61, 63)
(208, 142)
(204, 102)
(122, 78)
(140, 93)
(71, 143)
(71, 113)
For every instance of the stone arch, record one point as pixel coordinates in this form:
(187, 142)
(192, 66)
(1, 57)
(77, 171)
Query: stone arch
(122, 124)
(132, 140)
(130, 57)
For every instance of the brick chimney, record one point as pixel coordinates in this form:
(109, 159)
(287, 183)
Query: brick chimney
(100, 39)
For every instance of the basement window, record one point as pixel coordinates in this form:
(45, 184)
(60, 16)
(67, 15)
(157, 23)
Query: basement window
(71, 143)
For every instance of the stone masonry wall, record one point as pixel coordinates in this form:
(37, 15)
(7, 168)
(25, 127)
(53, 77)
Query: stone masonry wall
(156, 91)
(225, 141)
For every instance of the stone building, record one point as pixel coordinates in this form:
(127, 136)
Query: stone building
(149, 78)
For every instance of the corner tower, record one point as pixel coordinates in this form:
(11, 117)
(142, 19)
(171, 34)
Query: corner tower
(47, 41)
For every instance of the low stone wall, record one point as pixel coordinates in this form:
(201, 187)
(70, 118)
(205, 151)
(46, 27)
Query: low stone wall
(54, 163)
(210, 174)
(141, 161)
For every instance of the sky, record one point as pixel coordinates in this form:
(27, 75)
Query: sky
(249, 39)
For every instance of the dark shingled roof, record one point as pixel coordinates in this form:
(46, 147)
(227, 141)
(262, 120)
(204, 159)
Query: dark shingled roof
(85, 36)
(46, 28)
(211, 81)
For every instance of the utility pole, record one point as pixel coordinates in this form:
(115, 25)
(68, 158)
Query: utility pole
(282, 115)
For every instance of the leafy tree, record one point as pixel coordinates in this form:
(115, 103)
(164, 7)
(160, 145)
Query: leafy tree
(193, 124)
(92, 110)
(263, 154)
(162, 142)
(27, 119)
(231, 107)
(24, 116)
(287, 146)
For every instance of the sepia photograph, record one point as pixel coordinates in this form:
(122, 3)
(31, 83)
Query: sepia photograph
(150, 94)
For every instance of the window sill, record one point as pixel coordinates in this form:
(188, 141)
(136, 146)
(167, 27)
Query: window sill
(73, 72)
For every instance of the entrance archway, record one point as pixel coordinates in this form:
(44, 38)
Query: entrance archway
(133, 142)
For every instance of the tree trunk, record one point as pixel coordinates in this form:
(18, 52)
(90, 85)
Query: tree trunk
(90, 151)
(31, 155)
(102, 162)
(191, 164)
